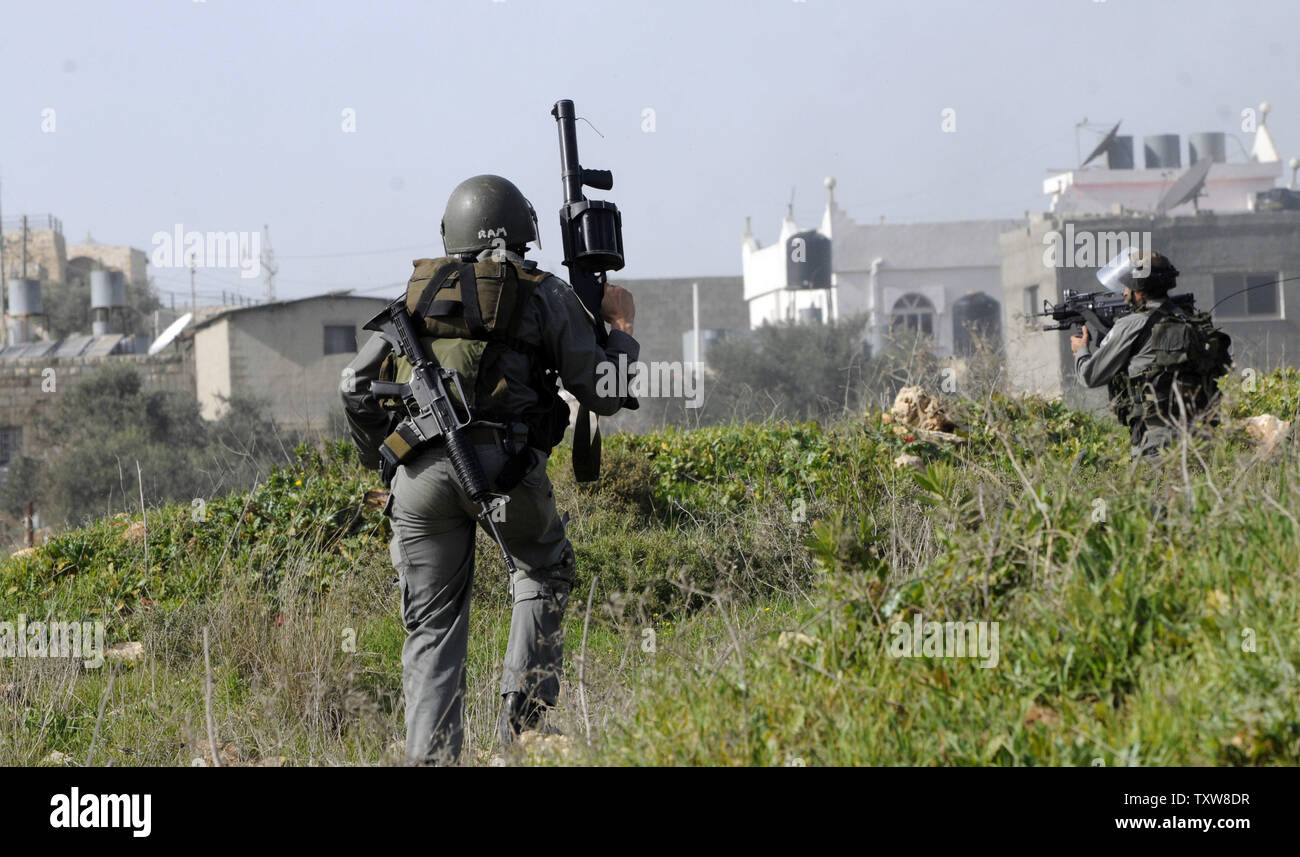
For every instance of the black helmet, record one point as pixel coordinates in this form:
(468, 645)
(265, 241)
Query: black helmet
(484, 212)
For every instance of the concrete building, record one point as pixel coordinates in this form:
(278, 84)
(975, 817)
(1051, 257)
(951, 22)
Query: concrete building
(664, 313)
(288, 353)
(130, 261)
(934, 278)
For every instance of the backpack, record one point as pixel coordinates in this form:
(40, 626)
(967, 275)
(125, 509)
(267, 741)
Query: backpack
(1190, 356)
(467, 315)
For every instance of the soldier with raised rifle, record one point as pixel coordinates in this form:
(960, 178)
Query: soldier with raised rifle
(1160, 361)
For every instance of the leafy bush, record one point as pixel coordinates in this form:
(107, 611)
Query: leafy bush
(111, 443)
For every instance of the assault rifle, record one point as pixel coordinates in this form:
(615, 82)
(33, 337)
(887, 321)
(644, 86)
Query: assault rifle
(1097, 310)
(431, 413)
(592, 233)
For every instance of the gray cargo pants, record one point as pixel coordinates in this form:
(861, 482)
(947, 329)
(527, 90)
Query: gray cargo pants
(433, 551)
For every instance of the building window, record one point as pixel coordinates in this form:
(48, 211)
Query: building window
(11, 445)
(1242, 295)
(913, 312)
(1031, 303)
(340, 339)
(976, 324)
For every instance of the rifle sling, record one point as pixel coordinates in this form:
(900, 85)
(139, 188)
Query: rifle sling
(469, 300)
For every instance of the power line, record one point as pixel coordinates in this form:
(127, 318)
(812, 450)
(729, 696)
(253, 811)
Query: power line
(357, 253)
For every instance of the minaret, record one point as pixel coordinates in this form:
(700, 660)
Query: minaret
(828, 219)
(1264, 149)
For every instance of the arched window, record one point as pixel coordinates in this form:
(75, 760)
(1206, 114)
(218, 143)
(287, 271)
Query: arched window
(913, 312)
(976, 317)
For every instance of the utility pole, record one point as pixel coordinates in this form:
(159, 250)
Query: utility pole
(194, 296)
(24, 246)
(268, 263)
(698, 368)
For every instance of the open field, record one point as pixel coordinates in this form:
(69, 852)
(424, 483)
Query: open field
(746, 589)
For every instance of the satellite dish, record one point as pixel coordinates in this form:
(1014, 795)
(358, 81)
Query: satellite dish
(1102, 146)
(173, 330)
(1188, 186)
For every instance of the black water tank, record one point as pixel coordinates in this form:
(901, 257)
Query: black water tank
(808, 261)
(975, 315)
(1119, 155)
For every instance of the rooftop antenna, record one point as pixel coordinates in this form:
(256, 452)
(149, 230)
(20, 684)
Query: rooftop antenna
(1187, 188)
(1103, 146)
(1078, 155)
(1295, 167)
(268, 263)
(789, 206)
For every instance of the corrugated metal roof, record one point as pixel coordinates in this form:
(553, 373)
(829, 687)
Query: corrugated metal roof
(71, 346)
(199, 325)
(102, 346)
(28, 350)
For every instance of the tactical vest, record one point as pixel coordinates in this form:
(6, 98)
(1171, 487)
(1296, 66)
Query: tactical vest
(467, 315)
(1190, 355)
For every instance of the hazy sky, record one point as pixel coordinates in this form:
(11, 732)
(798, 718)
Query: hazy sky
(225, 115)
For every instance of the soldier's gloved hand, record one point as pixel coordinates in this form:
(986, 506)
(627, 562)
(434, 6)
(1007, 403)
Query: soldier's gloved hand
(1079, 340)
(617, 308)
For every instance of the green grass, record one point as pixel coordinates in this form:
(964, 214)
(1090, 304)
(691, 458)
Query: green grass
(1146, 615)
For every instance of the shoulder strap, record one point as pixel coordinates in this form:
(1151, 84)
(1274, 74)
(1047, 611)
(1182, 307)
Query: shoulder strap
(426, 305)
(469, 300)
(1145, 333)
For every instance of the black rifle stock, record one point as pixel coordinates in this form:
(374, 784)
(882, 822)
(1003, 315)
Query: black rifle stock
(431, 412)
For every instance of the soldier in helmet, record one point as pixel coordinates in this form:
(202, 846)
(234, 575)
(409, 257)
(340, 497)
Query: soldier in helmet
(511, 331)
(1160, 363)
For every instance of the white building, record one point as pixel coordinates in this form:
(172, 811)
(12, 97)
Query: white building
(931, 277)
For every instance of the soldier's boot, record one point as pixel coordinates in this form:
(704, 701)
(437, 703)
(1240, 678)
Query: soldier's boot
(518, 714)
